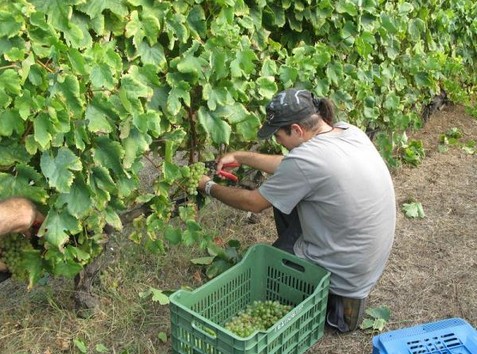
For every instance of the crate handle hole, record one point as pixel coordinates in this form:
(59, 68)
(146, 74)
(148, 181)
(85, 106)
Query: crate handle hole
(204, 329)
(293, 265)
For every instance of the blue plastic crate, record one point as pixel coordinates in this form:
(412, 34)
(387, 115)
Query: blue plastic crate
(450, 336)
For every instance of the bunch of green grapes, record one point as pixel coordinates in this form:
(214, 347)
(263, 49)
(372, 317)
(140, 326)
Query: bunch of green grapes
(258, 316)
(12, 248)
(196, 171)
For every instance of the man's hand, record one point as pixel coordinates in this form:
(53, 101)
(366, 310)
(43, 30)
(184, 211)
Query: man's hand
(227, 159)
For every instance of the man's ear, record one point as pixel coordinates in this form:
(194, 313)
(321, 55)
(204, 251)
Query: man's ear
(297, 129)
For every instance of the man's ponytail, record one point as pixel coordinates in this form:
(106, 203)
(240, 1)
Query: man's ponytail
(324, 108)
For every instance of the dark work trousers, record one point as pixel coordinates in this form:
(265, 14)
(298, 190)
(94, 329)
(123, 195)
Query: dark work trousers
(288, 229)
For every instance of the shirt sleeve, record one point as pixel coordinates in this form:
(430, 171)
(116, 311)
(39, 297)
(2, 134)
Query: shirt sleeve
(286, 187)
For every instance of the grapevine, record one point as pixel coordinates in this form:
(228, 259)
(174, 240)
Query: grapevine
(258, 316)
(12, 250)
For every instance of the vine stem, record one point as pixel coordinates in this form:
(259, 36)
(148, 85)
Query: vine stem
(45, 66)
(27, 130)
(9, 66)
(150, 161)
(193, 137)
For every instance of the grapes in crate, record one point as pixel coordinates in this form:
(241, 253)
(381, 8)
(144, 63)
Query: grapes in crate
(258, 316)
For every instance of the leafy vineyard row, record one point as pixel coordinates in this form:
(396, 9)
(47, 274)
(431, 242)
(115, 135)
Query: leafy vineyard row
(89, 87)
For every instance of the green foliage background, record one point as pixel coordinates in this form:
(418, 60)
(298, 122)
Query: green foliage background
(88, 87)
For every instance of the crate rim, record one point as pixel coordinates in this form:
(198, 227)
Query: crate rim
(250, 250)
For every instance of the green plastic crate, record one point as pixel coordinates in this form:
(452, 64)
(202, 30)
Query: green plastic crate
(265, 273)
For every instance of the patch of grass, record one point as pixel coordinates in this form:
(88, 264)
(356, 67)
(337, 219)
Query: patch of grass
(44, 320)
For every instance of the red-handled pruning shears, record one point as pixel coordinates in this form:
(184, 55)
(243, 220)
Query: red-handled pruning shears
(222, 173)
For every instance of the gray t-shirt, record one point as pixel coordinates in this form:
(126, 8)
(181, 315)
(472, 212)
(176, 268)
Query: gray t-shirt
(344, 196)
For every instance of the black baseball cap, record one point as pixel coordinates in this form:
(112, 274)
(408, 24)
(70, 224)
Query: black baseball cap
(287, 107)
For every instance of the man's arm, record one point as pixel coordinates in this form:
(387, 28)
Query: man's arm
(249, 200)
(243, 199)
(262, 162)
(18, 215)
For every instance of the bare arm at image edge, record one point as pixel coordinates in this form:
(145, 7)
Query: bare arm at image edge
(18, 215)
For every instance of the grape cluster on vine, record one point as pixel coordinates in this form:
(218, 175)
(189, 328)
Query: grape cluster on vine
(12, 249)
(258, 316)
(196, 171)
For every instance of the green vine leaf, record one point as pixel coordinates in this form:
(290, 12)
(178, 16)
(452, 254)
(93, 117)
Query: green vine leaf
(174, 103)
(78, 201)
(109, 154)
(58, 226)
(34, 265)
(413, 210)
(80, 345)
(173, 235)
(379, 317)
(203, 260)
(98, 120)
(156, 295)
(244, 63)
(134, 85)
(216, 97)
(267, 87)
(171, 171)
(193, 65)
(70, 89)
(216, 128)
(10, 24)
(379, 313)
(10, 82)
(196, 21)
(67, 268)
(58, 169)
(12, 152)
(135, 145)
(94, 8)
(102, 76)
(10, 122)
(20, 186)
(153, 55)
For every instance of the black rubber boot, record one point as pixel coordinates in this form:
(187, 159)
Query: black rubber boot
(4, 276)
